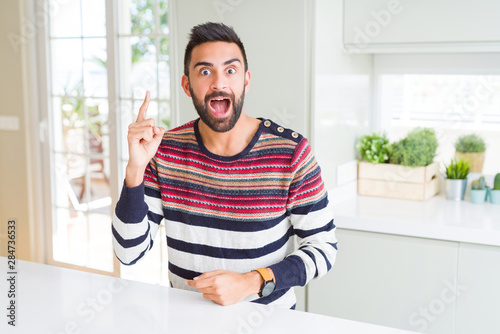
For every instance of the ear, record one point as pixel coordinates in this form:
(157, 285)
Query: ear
(247, 81)
(185, 85)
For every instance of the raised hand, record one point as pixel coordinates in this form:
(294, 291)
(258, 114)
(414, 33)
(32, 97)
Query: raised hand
(143, 141)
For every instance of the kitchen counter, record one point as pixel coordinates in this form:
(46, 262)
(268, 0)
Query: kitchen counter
(52, 300)
(436, 218)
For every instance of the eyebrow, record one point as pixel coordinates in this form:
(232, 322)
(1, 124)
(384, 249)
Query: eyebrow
(227, 62)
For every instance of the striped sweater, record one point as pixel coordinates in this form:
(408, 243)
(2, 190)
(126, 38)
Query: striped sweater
(265, 207)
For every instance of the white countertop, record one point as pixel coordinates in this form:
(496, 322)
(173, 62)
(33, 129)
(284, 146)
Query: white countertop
(436, 218)
(52, 300)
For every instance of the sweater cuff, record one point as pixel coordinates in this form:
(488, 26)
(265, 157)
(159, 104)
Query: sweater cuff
(131, 207)
(289, 272)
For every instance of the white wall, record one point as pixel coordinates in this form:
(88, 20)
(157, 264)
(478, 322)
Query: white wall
(342, 93)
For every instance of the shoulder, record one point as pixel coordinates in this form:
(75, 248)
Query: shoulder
(281, 132)
(283, 139)
(287, 141)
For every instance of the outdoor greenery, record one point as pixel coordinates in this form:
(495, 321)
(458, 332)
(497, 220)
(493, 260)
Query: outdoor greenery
(72, 111)
(374, 148)
(470, 144)
(142, 22)
(457, 170)
(417, 149)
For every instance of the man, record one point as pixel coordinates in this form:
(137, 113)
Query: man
(232, 190)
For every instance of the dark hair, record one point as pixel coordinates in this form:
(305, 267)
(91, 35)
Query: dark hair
(211, 32)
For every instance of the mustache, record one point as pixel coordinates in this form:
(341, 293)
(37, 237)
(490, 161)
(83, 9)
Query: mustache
(218, 94)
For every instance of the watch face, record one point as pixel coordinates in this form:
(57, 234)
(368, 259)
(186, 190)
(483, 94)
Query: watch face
(268, 288)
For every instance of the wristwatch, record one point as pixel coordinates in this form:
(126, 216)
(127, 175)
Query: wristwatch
(268, 286)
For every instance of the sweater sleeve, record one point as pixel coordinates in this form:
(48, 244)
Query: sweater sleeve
(138, 214)
(312, 222)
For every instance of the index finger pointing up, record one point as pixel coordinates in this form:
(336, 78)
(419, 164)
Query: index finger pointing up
(143, 109)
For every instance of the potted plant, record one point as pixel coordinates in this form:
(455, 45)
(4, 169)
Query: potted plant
(495, 191)
(374, 148)
(403, 170)
(456, 179)
(471, 147)
(417, 149)
(478, 191)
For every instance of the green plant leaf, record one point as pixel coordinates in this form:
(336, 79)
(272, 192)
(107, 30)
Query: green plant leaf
(374, 148)
(471, 143)
(457, 169)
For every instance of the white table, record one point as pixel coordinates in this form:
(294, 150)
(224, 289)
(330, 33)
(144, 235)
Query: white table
(53, 300)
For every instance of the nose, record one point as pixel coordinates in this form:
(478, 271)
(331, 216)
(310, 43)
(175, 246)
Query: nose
(219, 81)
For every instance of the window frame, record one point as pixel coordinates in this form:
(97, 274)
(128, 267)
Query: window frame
(39, 93)
(47, 135)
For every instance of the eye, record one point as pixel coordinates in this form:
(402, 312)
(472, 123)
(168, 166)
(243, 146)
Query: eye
(231, 70)
(205, 72)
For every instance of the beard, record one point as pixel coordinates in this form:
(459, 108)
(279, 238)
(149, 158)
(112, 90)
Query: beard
(223, 124)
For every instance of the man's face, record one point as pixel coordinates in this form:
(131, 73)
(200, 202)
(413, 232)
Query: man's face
(217, 84)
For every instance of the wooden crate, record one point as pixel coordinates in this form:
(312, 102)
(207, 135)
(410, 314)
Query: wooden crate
(396, 181)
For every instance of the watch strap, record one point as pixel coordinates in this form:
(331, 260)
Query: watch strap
(266, 276)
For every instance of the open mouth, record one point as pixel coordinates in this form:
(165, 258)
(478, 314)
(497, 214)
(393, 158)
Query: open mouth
(220, 105)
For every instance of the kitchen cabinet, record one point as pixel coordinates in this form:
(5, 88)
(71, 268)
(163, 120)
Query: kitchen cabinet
(390, 280)
(300, 293)
(478, 306)
(431, 267)
(381, 26)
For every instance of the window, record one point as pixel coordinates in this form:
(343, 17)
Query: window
(470, 99)
(88, 147)
(452, 100)
(80, 145)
